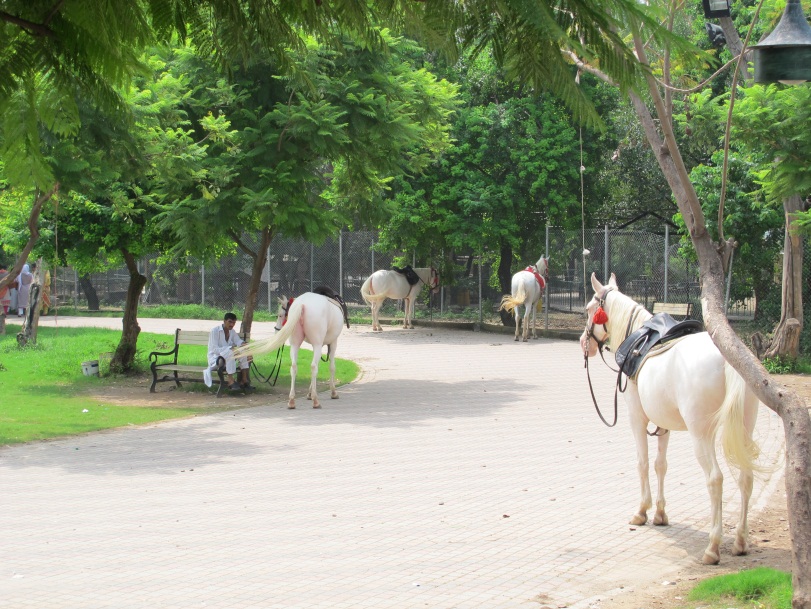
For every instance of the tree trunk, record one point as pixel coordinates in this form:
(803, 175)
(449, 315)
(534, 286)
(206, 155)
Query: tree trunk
(259, 260)
(89, 293)
(33, 235)
(505, 281)
(124, 356)
(787, 404)
(786, 341)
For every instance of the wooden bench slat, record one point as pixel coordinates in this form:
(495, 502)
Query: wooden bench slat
(185, 337)
(674, 308)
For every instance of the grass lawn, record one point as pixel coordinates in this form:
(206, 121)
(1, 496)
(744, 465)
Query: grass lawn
(45, 392)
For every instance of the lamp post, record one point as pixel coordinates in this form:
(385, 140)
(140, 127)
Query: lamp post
(785, 54)
(716, 8)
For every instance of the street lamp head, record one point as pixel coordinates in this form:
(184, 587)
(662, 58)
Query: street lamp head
(716, 8)
(785, 54)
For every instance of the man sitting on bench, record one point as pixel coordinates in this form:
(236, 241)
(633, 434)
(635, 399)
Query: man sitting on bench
(221, 342)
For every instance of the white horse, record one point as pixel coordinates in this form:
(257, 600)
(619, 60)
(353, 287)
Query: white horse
(392, 284)
(313, 318)
(689, 386)
(526, 290)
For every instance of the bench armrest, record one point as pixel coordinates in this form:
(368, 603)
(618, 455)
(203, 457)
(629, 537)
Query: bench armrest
(156, 354)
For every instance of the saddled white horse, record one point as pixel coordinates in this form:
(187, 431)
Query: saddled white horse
(313, 318)
(392, 284)
(691, 387)
(526, 291)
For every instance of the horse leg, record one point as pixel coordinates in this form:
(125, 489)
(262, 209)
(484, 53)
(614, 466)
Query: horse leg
(312, 393)
(291, 400)
(376, 316)
(704, 447)
(517, 314)
(745, 479)
(527, 312)
(408, 313)
(639, 424)
(660, 466)
(333, 391)
(534, 319)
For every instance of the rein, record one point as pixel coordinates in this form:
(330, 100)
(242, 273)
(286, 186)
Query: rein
(619, 387)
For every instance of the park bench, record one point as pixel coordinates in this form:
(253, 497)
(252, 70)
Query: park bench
(676, 309)
(172, 371)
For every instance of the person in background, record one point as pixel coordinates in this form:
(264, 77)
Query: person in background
(221, 342)
(5, 292)
(25, 280)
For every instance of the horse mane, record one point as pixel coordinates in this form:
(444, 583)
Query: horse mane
(622, 308)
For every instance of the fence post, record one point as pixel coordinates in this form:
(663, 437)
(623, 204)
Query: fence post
(341, 263)
(203, 284)
(270, 287)
(548, 284)
(605, 258)
(76, 289)
(312, 262)
(667, 257)
(481, 318)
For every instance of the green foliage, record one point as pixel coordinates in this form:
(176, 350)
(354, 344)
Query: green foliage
(778, 365)
(762, 586)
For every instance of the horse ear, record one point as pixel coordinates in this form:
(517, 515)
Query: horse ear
(613, 281)
(595, 284)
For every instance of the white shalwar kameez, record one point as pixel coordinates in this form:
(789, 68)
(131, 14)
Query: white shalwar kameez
(219, 346)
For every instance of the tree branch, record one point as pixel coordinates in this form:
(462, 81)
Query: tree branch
(29, 26)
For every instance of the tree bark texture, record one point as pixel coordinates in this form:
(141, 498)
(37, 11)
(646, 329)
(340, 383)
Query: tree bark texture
(89, 293)
(505, 281)
(124, 356)
(786, 341)
(260, 258)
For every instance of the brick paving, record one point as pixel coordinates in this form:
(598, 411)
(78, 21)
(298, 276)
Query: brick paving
(462, 470)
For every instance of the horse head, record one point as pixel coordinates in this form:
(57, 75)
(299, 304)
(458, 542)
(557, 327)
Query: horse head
(281, 315)
(542, 266)
(597, 331)
(433, 281)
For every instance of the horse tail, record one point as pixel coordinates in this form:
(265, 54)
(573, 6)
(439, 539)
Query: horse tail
(277, 340)
(368, 296)
(509, 301)
(740, 449)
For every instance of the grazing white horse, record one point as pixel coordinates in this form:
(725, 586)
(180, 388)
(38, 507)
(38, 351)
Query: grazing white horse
(526, 290)
(313, 318)
(689, 386)
(392, 284)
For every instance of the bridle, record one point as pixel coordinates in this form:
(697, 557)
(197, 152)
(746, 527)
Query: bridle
(433, 279)
(600, 318)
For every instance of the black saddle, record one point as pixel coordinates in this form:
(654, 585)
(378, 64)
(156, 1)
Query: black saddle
(410, 274)
(658, 329)
(330, 293)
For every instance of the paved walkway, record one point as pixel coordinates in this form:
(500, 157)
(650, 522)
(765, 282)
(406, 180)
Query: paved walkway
(462, 471)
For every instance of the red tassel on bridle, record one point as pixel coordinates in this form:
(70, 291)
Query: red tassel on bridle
(600, 317)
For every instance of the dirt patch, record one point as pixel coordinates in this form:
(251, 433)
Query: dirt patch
(770, 546)
(134, 391)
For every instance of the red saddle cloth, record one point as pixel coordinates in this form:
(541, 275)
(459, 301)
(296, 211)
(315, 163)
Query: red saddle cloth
(541, 281)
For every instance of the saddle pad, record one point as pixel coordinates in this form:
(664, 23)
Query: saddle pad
(410, 274)
(658, 329)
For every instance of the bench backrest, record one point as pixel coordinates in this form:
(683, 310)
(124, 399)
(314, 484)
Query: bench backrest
(683, 309)
(198, 337)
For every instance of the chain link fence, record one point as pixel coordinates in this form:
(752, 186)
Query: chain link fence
(649, 267)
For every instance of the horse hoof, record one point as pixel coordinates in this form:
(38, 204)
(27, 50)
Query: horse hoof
(291, 406)
(639, 519)
(740, 548)
(516, 339)
(661, 520)
(335, 396)
(710, 558)
(316, 405)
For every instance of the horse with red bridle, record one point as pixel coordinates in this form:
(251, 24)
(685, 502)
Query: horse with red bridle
(688, 385)
(526, 290)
